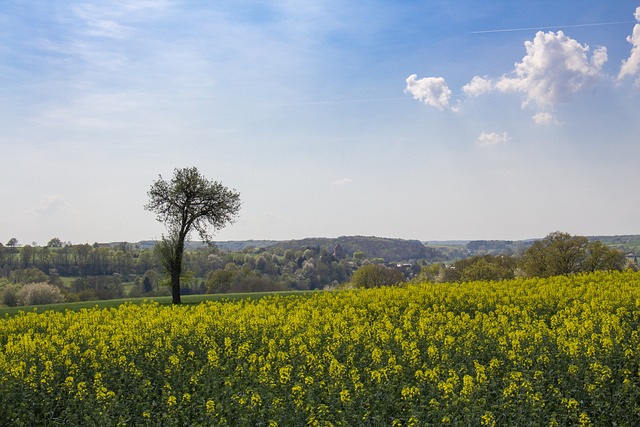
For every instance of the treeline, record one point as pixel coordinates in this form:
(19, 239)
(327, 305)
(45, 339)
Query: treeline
(77, 260)
(87, 272)
(67, 272)
(557, 254)
(390, 250)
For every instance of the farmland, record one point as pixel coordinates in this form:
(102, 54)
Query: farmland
(556, 351)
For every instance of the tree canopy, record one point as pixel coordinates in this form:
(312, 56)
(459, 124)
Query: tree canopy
(372, 275)
(188, 202)
(561, 253)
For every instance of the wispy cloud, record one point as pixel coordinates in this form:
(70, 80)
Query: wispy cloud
(113, 19)
(51, 204)
(95, 111)
(342, 182)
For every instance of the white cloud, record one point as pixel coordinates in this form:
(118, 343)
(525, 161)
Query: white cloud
(342, 182)
(631, 65)
(432, 91)
(478, 86)
(544, 118)
(488, 139)
(555, 67)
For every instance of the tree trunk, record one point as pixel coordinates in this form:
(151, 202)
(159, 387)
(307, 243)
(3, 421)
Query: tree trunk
(176, 271)
(175, 286)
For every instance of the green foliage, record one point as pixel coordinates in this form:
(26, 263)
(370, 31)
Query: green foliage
(373, 275)
(240, 280)
(54, 243)
(40, 293)
(486, 267)
(220, 281)
(10, 295)
(433, 273)
(29, 275)
(97, 288)
(560, 254)
(308, 267)
(391, 250)
(602, 257)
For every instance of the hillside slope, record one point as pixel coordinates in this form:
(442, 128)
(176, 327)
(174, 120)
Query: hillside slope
(373, 247)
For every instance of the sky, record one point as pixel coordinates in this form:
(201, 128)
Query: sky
(429, 120)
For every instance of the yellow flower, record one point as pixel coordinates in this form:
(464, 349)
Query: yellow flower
(584, 420)
(410, 392)
(488, 419)
(171, 401)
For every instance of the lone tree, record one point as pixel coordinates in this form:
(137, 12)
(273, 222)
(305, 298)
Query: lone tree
(188, 202)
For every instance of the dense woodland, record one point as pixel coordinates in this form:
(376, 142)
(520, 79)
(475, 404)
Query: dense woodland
(32, 274)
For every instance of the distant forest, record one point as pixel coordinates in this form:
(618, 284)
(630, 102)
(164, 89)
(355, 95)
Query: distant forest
(113, 270)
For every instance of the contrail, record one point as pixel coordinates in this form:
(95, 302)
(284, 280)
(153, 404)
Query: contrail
(507, 30)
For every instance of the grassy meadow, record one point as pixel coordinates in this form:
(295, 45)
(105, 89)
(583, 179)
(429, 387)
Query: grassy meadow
(563, 351)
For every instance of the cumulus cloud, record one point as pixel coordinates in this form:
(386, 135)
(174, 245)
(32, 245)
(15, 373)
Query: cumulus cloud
(631, 65)
(544, 118)
(555, 67)
(488, 139)
(432, 91)
(478, 86)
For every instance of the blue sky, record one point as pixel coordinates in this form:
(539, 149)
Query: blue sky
(430, 120)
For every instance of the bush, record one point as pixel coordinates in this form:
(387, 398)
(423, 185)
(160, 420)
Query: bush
(39, 293)
(10, 296)
(98, 288)
(29, 275)
(372, 275)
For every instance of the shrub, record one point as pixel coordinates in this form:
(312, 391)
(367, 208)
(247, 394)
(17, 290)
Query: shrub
(29, 275)
(39, 293)
(10, 296)
(372, 275)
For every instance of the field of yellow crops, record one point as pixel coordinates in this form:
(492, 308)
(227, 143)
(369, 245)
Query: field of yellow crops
(562, 351)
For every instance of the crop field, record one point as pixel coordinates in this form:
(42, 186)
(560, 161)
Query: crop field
(563, 351)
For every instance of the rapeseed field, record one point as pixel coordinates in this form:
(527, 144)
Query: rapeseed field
(563, 351)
